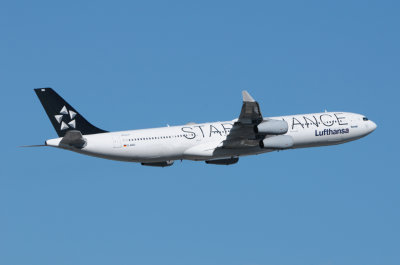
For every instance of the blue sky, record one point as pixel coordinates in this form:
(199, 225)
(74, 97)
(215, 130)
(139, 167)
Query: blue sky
(131, 65)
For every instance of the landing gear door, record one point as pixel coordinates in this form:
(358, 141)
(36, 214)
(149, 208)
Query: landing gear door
(117, 141)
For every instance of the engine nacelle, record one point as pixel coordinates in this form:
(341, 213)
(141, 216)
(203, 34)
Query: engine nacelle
(272, 127)
(277, 142)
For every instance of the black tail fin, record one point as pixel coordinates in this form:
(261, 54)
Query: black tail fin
(62, 115)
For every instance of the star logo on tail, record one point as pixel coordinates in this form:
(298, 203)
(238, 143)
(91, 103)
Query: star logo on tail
(68, 113)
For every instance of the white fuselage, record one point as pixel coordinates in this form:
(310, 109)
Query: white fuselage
(201, 141)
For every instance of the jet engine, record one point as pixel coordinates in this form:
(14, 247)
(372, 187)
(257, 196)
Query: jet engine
(271, 127)
(277, 142)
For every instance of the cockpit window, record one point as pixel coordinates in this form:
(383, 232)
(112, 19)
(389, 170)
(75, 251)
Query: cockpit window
(365, 118)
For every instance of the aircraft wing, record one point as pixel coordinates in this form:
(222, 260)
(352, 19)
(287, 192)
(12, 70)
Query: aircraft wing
(242, 133)
(250, 114)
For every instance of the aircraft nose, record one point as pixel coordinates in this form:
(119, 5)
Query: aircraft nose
(372, 126)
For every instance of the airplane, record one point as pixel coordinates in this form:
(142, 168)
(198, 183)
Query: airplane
(219, 143)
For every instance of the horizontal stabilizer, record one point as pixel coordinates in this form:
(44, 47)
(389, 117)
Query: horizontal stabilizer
(34, 145)
(73, 138)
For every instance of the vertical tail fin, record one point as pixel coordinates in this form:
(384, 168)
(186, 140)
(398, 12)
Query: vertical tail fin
(62, 115)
